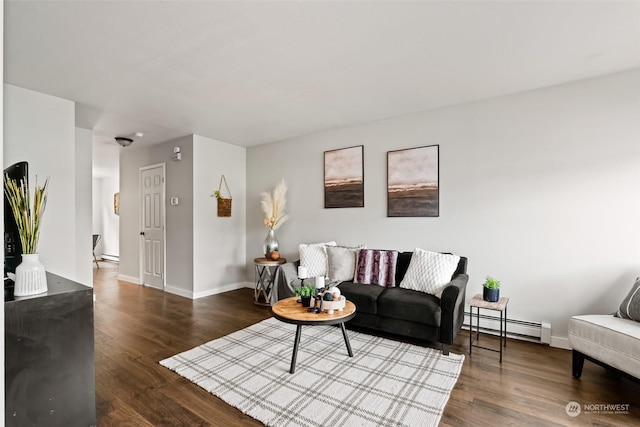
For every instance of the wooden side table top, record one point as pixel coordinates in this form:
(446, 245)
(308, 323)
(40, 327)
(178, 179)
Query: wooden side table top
(267, 261)
(290, 311)
(478, 301)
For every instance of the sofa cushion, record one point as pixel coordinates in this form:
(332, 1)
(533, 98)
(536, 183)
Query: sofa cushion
(608, 339)
(376, 267)
(429, 271)
(341, 263)
(314, 257)
(630, 306)
(407, 304)
(362, 295)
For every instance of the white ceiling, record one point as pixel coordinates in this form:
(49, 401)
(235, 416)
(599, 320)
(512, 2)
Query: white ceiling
(249, 73)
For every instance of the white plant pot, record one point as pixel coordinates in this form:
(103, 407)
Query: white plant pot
(332, 306)
(31, 278)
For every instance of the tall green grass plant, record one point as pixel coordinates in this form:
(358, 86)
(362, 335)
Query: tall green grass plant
(27, 219)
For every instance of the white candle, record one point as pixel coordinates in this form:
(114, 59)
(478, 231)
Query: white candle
(319, 282)
(302, 272)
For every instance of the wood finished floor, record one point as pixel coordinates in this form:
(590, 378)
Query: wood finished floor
(136, 327)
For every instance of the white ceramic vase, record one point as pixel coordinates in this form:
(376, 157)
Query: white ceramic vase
(31, 278)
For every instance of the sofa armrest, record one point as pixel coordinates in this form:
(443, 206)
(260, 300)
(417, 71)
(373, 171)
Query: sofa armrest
(452, 306)
(287, 281)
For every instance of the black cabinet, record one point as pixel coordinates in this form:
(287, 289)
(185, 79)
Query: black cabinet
(49, 357)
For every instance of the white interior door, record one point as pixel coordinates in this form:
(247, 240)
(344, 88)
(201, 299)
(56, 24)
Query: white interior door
(153, 227)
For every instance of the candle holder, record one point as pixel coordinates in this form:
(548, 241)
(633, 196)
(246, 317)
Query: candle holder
(303, 274)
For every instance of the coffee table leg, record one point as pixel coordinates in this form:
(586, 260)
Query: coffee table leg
(295, 349)
(346, 339)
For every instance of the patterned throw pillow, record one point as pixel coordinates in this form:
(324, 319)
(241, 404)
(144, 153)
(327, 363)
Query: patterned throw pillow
(376, 267)
(630, 307)
(429, 271)
(341, 262)
(314, 257)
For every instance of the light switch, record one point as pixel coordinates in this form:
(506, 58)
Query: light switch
(175, 201)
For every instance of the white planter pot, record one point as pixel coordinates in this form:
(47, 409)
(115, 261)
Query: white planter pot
(31, 278)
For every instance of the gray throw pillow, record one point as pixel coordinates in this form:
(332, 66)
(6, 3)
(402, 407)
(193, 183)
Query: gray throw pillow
(630, 307)
(341, 263)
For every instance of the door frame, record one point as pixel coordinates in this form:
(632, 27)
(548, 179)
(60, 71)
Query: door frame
(164, 223)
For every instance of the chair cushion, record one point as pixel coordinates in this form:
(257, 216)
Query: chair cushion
(608, 339)
(363, 296)
(407, 304)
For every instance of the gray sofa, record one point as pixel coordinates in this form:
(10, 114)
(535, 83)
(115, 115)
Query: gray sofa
(398, 311)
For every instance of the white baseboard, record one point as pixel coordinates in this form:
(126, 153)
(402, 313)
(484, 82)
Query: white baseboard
(179, 292)
(227, 288)
(108, 257)
(191, 295)
(560, 342)
(129, 279)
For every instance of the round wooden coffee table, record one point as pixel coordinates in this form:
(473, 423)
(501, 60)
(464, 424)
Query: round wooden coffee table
(290, 311)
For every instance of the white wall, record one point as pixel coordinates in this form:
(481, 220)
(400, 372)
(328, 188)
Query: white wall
(131, 160)
(179, 219)
(219, 243)
(205, 254)
(84, 242)
(180, 230)
(41, 129)
(539, 189)
(105, 221)
(106, 182)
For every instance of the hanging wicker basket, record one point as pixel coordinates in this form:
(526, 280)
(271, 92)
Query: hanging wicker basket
(224, 203)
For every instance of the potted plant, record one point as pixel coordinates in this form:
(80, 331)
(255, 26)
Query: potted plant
(305, 292)
(491, 289)
(31, 277)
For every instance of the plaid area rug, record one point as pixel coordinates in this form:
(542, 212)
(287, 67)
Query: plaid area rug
(386, 383)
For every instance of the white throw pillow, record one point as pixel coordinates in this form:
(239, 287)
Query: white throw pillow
(429, 271)
(314, 257)
(341, 262)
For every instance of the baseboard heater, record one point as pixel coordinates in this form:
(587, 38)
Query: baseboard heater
(518, 329)
(108, 257)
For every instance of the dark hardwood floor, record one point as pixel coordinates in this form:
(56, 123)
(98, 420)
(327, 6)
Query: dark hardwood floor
(136, 327)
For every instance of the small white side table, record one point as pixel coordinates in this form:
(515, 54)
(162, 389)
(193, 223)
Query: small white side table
(266, 277)
(501, 305)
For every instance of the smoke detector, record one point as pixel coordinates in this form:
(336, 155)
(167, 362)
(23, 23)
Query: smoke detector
(125, 142)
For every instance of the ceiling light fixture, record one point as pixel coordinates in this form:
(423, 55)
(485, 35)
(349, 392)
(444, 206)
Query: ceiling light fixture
(125, 142)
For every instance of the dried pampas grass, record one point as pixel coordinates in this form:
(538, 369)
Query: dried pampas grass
(273, 205)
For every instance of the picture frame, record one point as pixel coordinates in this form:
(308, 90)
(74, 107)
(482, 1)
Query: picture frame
(344, 177)
(413, 182)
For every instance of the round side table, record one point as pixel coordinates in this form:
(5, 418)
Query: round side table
(266, 278)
